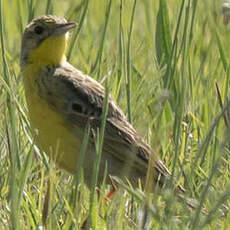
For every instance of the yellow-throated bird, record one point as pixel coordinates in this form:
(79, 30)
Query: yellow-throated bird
(61, 100)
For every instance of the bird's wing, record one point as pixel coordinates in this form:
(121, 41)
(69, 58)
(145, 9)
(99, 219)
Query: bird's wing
(80, 99)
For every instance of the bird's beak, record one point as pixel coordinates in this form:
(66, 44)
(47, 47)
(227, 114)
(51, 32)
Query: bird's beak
(63, 28)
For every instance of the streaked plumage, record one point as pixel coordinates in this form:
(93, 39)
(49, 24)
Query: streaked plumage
(62, 100)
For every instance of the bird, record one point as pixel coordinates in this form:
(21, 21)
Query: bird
(62, 101)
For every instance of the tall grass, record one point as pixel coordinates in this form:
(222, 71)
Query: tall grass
(161, 61)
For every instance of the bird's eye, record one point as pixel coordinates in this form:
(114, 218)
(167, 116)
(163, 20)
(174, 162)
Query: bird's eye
(38, 30)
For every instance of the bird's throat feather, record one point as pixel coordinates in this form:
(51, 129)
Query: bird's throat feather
(50, 52)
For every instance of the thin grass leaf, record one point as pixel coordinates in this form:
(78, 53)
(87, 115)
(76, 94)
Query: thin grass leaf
(99, 139)
(49, 7)
(163, 34)
(128, 63)
(76, 34)
(97, 62)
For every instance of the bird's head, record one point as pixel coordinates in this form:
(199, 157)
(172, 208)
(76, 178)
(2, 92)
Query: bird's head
(44, 40)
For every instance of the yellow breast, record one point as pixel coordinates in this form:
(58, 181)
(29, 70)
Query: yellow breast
(53, 134)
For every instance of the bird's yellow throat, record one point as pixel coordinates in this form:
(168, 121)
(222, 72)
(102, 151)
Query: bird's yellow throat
(50, 52)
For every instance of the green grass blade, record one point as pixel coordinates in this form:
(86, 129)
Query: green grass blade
(101, 46)
(128, 62)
